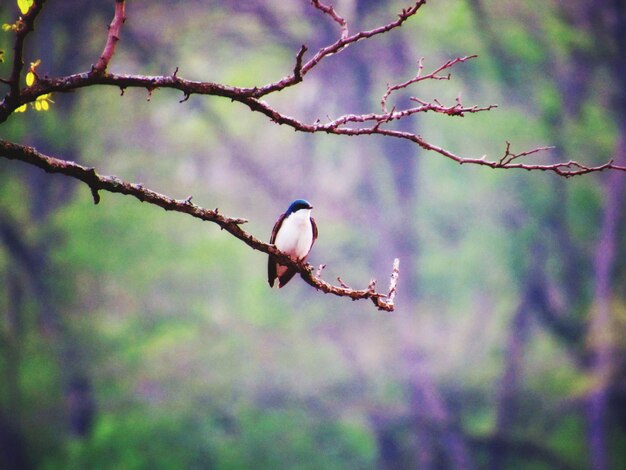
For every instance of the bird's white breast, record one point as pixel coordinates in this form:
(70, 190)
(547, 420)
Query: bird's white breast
(295, 235)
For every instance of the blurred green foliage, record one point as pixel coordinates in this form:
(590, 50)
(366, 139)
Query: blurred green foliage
(160, 330)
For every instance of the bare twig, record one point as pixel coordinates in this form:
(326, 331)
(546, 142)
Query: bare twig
(419, 77)
(335, 47)
(509, 156)
(338, 126)
(349, 124)
(330, 11)
(320, 268)
(404, 15)
(342, 284)
(366, 124)
(112, 37)
(97, 182)
(297, 70)
(393, 282)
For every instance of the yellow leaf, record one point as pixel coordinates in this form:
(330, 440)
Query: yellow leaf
(24, 5)
(30, 79)
(42, 103)
(21, 109)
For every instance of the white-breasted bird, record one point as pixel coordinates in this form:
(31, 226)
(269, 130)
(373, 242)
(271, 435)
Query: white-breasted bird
(294, 234)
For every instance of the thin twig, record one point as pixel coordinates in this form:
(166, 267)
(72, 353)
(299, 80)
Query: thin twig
(404, 15)
(334, 48)
(342, 284)
(318, 273)
(419, 77)
(366, 124)
(337, 126)
(297, 70)
(393, 282)
(112, 37)
(330, 11)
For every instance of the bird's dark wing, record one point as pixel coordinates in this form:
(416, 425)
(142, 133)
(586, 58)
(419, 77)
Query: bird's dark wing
(271, 270)
(271, 262)
(277, 225)
(286, 277)
(314, 226)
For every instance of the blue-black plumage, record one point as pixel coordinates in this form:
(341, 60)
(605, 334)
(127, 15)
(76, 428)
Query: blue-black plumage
(294, 234)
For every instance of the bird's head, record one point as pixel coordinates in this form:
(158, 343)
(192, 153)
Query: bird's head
(297, 205)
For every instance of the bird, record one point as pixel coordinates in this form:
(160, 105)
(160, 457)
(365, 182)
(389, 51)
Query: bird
(294, 233)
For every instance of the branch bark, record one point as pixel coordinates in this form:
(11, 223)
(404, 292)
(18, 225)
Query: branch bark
(112, 38)
(97, 183)
(26, 24)
(350, 124)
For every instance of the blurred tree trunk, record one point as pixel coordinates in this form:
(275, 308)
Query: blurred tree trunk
(506, 401)
(426, 400)
(601, 360)
(605, 23)
(12, 446)
(12, 339)
(401, 232)
(440, 443)
(573, 85)
(533, 300)
(13, 453)
(47, 195)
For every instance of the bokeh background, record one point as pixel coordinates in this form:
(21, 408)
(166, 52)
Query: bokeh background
(135, 338)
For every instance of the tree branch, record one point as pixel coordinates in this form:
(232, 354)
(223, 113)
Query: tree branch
(97, 182)
(431, 76)
(112, 38)
(376, 123)
(361, 124)
(25, 25)
(340, 44)
(330, 11)
(337, 126)
(335, 47)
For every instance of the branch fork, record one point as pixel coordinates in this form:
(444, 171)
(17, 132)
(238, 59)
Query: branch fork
(251, 96)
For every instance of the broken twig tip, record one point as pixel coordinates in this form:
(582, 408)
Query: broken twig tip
(95, 195)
